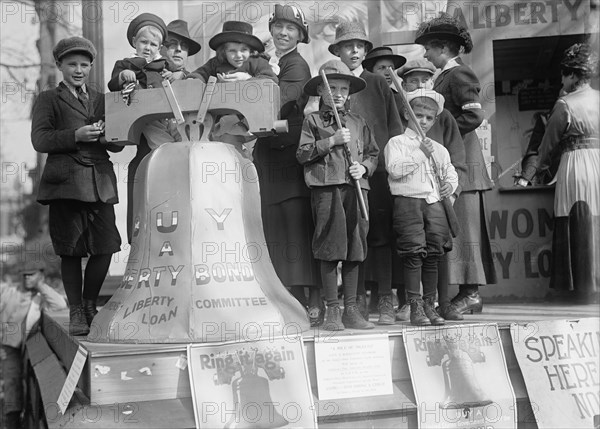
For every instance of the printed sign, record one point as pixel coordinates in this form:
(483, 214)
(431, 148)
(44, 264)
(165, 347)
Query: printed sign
(253, 385)
(353, 367)
(459, 377)
(71, 382)
(559, 362)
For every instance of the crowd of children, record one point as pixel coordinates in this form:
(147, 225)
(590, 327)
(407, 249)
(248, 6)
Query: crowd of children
(359, 145)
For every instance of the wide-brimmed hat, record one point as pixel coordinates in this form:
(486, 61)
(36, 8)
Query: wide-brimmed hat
(579, 56)
(445, 27)
(334, 69)
(350, 30)
(379, 53)
(238, 32)
(179, 28)
(142, 20)
(291, 14)
(419, 65)
(74, 44)
(427, 93)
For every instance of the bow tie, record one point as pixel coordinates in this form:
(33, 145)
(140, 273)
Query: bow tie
(328, 117)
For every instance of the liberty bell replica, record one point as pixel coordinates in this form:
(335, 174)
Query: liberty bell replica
(462, 388)
(199, 269)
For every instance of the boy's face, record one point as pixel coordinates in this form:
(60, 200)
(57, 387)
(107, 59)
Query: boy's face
(425, 118)
(351, 53)
(75, 68)
(340, 88)
(416, 80)
(285, 35)
(177, 50)
(382, 67)
(146, 45)
(237, 53)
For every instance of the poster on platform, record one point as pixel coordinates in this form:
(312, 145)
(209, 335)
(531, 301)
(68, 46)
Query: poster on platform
(459, 377)
(559, 362)
(260, 384)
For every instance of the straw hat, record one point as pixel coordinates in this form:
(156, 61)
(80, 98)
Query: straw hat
(382, 52)
(334, 69)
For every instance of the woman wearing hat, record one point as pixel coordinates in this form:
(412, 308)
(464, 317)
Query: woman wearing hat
(573, 129)
(443, 39)
(286, 211)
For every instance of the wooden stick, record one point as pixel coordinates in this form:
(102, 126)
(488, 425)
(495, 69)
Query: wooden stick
(361, 200)
(450, 214)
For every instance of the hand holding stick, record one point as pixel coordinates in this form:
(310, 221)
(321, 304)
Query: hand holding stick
(450, 214)
(361, 200)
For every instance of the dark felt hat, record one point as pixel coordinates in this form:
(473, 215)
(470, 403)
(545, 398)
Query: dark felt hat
(580, 56)
(32, 267)
(381, 53)
(445, 27)
(350, 30)
(334, 69)
(238, 32)
(179, 28)
(291, 14)
(418, 65)
(142, 20)
(74, 44)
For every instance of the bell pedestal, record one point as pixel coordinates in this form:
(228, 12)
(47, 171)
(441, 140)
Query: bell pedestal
(199, 269)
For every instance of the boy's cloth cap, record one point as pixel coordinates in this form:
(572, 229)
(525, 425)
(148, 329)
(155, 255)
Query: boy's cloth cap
(350, 30)
(74, 44)
(238, 32)
(419, 65)
(32, 267)
(334, 69)
(291, 14)
(179, 28)
(142, 20)
(382, 52)
(427, 93)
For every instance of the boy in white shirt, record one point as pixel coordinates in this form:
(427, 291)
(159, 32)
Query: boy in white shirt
(420, 224)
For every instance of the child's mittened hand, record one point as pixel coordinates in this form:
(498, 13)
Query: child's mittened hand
(127, 76)
(445, 190)
(427, 147)
(341, 136)
(357, 171)
(87, 134)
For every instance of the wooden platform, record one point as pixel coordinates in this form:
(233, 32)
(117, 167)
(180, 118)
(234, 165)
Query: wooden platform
(128, 383)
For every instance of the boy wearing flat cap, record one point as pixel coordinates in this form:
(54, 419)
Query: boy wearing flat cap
(376, 105)
(78, 182)
(340, 231)
(420, 224)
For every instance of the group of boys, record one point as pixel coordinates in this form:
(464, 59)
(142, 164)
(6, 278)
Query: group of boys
(353, 148)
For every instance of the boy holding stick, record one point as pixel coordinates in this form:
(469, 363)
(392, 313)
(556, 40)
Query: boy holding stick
(420, 177)
(338, 154)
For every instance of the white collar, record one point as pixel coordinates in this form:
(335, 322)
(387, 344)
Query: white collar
(157, 57)
(411, 134)
(451, 64)
(281, 54)
(358, 71)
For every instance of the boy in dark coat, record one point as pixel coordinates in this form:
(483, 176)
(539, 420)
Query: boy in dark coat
(340, 231)
(78, 182)
(377, 106)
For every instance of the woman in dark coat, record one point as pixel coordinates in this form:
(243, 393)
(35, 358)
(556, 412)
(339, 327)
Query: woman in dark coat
(286, 210)
(469, 266)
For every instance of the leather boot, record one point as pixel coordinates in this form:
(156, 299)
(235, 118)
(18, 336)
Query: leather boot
(89, 309)
(333, 319)
(469, 301)
(354, 320)
(429, 309)
(448, 311)
(417, 314)
(403, 313)
(361, 302)
(387, 316)
(77, 323)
